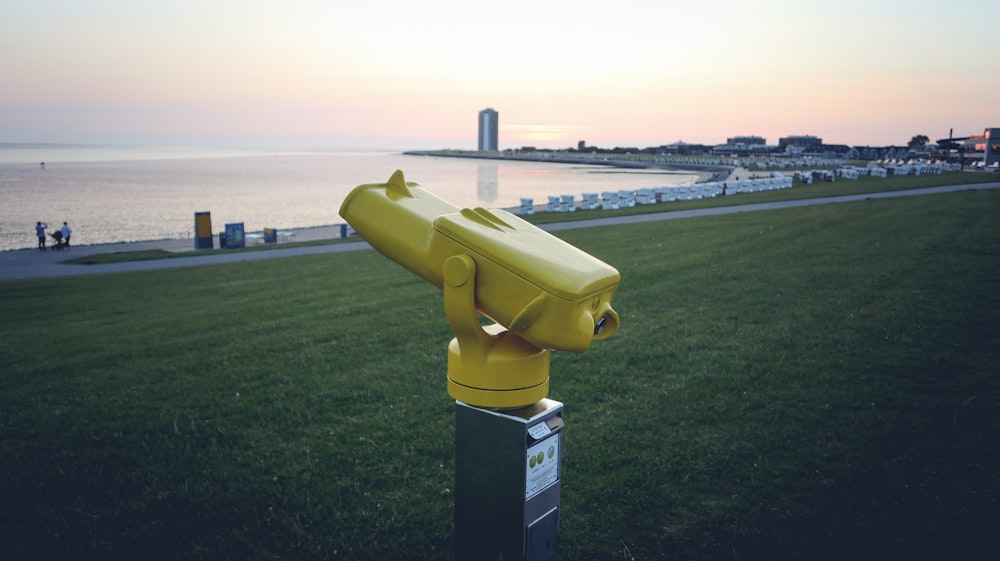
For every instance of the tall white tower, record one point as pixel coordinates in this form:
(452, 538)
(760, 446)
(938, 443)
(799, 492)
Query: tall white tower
(489, 121)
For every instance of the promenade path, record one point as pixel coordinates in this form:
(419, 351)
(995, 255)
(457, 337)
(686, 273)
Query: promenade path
(33, 264)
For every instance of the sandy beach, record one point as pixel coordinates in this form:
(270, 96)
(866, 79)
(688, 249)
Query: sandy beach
(704, 172)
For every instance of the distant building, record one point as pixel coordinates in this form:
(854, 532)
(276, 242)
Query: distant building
(489, 122)
(991, 146)
(681, 148)
(804, 140)
(746, 140)
(743, 146)
(978, 149)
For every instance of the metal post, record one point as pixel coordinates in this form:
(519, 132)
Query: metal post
(507, 482)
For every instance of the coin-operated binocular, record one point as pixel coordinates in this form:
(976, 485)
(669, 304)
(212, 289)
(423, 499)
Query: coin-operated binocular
(541, 292)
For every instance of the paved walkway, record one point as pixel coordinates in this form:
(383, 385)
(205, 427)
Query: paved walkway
(34, 264)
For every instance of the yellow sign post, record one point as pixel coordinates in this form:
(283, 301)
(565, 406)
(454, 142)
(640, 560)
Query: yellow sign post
(203, 230)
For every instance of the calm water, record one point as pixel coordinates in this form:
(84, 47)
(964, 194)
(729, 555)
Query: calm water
(130, 194)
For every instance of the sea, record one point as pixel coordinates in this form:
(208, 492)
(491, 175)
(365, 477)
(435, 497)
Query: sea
(110, 194)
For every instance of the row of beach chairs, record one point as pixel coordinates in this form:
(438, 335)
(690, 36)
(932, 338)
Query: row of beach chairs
(871, 170)
(613, 200)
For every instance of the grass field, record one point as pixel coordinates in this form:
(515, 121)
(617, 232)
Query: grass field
(810, 383)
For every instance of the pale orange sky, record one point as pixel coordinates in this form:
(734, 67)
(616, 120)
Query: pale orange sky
(401, 75)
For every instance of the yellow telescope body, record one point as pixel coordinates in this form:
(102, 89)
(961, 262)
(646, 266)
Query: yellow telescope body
(542, 292)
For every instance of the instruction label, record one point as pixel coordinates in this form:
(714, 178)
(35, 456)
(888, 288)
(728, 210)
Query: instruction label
(539, 431)
(542, 465)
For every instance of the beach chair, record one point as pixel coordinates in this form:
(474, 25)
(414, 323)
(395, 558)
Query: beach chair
(553, 204)
(626, 199)
(609, 200)
(666, 194)
(589, 201)
(644, 196)
(566, 204)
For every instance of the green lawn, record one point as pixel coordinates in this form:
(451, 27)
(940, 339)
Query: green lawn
(809, 383)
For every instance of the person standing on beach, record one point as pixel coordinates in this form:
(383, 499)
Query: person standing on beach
(66, 231)
(40, 231)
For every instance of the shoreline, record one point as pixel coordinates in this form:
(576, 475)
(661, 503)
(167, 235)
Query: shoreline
(177, 245)
(704, 172)
(32, 264)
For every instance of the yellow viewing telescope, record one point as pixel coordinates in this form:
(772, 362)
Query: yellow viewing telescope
(534, 285)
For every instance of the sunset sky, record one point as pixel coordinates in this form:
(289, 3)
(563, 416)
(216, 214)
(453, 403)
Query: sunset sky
(403, 74)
